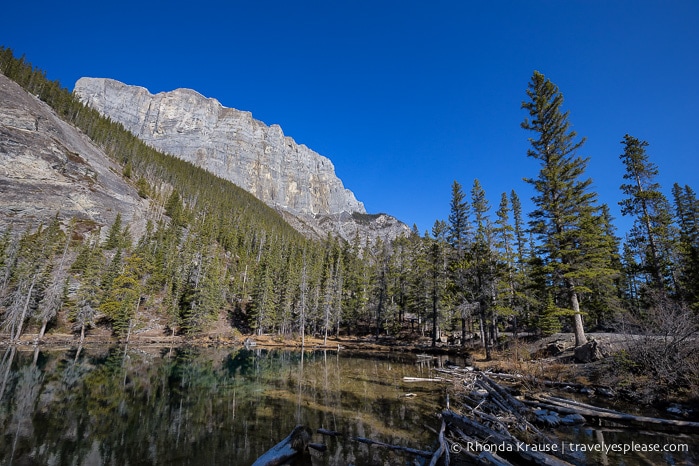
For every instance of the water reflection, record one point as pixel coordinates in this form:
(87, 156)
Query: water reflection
(199, 406)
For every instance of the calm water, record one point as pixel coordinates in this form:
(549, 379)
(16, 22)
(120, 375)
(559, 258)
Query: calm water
(207, 407)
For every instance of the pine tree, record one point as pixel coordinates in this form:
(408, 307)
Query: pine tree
(438, 264)
(88, 295)
(508, 304)
(417, 299)
(484, 266)
(55, 290)
(122, 299)
(458, 238)
(687, 218)
(565, 207)
(114, 236)
(645, 202)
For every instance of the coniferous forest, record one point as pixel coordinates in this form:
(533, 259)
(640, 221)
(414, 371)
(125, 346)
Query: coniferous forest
(212, 252)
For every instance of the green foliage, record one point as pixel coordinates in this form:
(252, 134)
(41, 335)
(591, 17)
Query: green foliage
(651, 235)
(687, 218)
(566, 219)
(549, 321)
(144, 190)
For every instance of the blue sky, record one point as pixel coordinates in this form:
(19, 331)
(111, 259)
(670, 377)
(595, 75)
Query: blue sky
(404, 96)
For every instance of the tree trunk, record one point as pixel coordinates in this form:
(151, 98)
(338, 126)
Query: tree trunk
(580, 338)
(15, 337)
(463, 331)
(44, 323)
(292, 447)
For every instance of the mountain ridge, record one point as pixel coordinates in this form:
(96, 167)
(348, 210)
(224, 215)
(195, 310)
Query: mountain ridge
(290, 177)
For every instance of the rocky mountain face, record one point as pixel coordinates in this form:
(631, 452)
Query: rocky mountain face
(48, 168)
(298, 182)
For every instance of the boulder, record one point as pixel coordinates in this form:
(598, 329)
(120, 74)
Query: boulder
(589, 352)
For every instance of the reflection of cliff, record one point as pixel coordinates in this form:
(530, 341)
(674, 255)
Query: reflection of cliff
(233, 145)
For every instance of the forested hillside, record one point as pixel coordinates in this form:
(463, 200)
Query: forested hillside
(211, 250)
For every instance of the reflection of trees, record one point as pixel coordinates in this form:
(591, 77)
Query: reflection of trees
(5, 367)
(22, 399)
(191, 405)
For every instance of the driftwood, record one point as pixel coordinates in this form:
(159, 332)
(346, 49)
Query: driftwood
(600, 389)
(564, 406)
(510, 447)
(443, 450)
(490, 420)
(422, 379)
(293, 447)
(413, 451)
(331, 433)
(370, 442)
(485, 457)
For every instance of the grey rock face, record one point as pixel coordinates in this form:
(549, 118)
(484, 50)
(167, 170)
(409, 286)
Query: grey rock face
(47, 167)
(226, 142)
(230, 143)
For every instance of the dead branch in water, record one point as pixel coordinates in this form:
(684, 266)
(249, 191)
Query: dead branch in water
(594, 413)
(295, 445)
(412, 451)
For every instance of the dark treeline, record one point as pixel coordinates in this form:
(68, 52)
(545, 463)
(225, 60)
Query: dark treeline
(212, 250)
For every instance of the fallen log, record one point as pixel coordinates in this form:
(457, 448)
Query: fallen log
(601, 389)
(442, 450)
(413, 451)
(505, 395)
(485, 457)
(596, 414)
(509, 447)
(294, 446)
(422, 379)
(511, 405)
(331, 433)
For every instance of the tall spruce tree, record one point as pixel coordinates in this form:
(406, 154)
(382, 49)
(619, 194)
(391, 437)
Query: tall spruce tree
(458, 238)
(565, 213)
(438, 273)
(647, 204)
(687, 218)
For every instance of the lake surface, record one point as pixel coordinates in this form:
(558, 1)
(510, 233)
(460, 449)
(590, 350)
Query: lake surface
(191, 406)
(196, 406)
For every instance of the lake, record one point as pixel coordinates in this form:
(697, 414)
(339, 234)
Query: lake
(227, 406)
(194, 406)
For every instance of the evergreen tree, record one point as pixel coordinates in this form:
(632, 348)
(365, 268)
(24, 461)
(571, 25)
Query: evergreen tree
(458, 238)
(438, 264)
(484, 266)
(459, 226)
(508, 303)
(122, 299)
(687, 218)
(564, 218)
(650, 209)
(88, 295)
(417, 299)
(115, 237)
(55, 290)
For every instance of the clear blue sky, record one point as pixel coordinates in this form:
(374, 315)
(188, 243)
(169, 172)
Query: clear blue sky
(404, 96)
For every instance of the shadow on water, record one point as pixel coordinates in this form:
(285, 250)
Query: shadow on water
(186, 406)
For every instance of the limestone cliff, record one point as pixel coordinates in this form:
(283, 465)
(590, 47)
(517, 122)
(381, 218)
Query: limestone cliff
(290, 177)
(47, 167)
